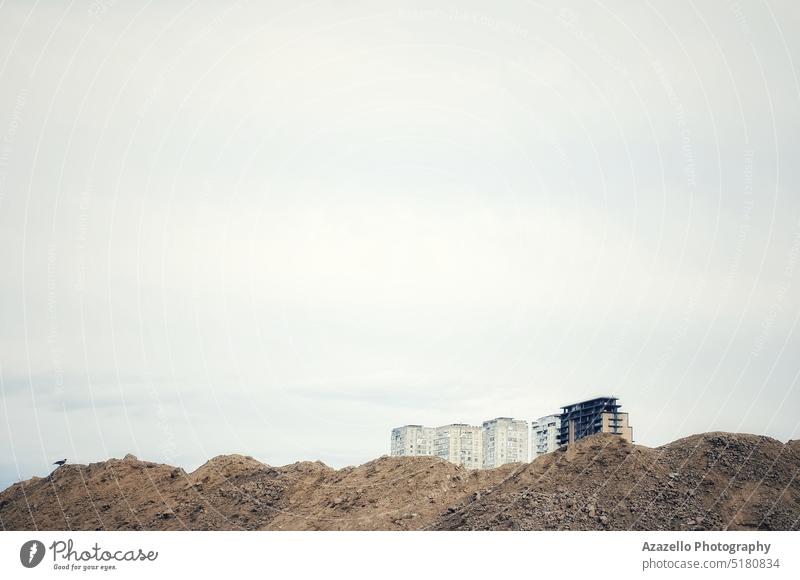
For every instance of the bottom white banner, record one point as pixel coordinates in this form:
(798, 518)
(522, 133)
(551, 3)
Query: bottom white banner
(372, 555)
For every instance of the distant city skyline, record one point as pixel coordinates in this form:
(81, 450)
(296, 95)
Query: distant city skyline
(283, 230)
(502, 440)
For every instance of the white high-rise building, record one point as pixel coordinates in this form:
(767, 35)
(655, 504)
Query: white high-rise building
(412, 440)
(460, 444)
(544, 434)
(505, 440)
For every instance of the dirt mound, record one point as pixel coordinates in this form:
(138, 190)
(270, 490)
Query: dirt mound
(705, 482)
(390, 493)
(708, 481)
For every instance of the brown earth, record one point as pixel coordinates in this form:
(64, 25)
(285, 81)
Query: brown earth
(711, 481)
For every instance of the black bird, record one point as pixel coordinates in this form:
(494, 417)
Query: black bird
(60, 463)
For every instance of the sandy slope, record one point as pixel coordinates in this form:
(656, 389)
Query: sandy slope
(708, 481)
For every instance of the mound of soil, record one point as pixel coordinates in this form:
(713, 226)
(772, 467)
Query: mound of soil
(711, 481)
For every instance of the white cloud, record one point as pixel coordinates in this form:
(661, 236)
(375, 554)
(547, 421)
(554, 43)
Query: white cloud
(237, 218)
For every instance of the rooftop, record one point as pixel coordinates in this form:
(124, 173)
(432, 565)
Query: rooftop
(605, 398)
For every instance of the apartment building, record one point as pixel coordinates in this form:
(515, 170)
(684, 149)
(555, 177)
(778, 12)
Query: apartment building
(505, 440)
(544, 435)
(412, 440)
(460, 444)
(599, 415)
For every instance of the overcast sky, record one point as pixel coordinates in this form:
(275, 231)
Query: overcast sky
(283, 230)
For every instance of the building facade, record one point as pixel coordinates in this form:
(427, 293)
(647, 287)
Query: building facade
(599, 415)
(505, 440)
(460, 444)
(544, 435)
(412, 440)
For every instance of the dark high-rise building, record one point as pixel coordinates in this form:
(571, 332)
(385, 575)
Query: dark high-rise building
(600, 415)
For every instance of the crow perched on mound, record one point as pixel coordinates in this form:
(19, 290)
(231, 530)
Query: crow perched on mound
(60, 462)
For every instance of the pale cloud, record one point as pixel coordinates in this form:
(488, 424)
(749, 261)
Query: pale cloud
(222, 222)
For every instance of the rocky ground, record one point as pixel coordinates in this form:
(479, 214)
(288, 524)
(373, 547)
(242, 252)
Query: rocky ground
(711, 481)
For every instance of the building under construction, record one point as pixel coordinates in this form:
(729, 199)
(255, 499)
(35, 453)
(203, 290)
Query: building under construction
(600, 415)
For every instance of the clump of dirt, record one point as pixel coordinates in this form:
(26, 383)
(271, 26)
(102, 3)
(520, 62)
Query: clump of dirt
(711, 481)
